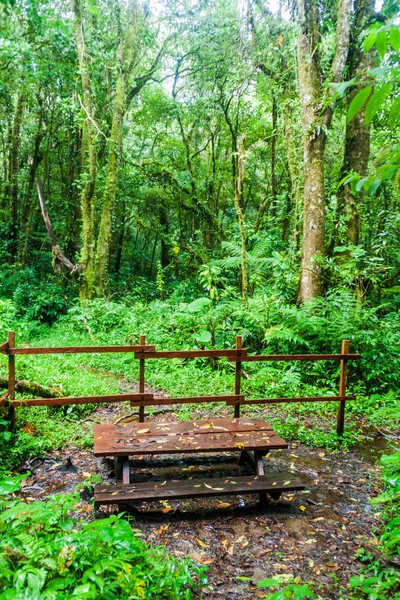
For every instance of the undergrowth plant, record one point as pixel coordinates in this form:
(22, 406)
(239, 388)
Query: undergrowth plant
(379, 579)
(47, 554)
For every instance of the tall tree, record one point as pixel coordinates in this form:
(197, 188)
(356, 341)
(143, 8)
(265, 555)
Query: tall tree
(357, 137)
(134, 67)
(316, 114)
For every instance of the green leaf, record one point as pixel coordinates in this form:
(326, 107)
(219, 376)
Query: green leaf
(303, 591)
(7, 486)
(369, 40)
(376, 101)
(204, 337)
(379, 72)
(268, 583)
(358, 102)
(374, 186)
(360, 184)
(394, 37)
(394, 114)
(382, 43)
(341, 87)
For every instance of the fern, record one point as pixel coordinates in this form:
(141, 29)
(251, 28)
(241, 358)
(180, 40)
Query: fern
(44, 554)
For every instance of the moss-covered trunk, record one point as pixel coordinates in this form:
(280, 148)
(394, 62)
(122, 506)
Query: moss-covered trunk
(89, 160)
(115, 146)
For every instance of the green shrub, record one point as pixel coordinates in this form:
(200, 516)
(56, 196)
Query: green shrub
(47, 555)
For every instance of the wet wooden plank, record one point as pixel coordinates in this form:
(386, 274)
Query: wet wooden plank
(283, 400)
(187, 400)
(121, 444)
(194, 427)
(178, 489)
(3, 399)
(232, 354)
(77, 400)
(82, 350)
(4, 346)
(290, 357)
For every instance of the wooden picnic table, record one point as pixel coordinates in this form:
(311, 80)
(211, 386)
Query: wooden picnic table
(251, 438)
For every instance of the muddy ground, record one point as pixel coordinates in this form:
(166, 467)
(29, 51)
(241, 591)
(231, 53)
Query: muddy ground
(313, 534)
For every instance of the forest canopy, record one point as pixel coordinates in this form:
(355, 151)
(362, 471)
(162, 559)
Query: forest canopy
(229, 147)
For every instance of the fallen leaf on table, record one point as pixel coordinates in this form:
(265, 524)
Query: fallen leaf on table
(213, 488)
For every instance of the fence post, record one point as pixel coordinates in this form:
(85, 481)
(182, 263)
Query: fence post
(11, 380)
(342, 389)
(238, 375)
(142, 342)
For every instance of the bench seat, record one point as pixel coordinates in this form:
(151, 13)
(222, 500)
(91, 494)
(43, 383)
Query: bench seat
(274, 484)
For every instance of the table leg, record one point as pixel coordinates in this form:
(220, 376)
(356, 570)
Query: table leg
(260, 473)
(121, 467)
(246, 457)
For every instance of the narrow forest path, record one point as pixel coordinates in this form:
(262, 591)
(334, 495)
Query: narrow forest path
(312, 535)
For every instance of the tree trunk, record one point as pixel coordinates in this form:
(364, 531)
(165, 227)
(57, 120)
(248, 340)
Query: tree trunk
(115, 145)
(315, 122)
(357, 140)
(274, 190)
(13, 175)
(238, 200)
(89, 160)
(31, 201)
(164, 225)
(314, 219)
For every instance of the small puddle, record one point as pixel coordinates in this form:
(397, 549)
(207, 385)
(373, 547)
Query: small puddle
(105, 374)
(372, 445)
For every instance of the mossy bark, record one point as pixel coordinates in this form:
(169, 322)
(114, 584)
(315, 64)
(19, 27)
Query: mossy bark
(316, 121)
(15, 142)
(357, 139)
(89, 160)
(115, 145)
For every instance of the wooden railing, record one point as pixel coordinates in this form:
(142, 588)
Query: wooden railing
(143, 352)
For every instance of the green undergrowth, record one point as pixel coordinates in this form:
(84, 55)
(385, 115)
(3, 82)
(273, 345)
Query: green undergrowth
(47, 554)
(379, 579)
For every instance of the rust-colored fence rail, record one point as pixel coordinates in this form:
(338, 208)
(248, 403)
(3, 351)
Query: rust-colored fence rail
(143, 352)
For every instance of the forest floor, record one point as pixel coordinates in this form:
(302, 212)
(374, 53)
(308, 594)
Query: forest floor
(313, 535)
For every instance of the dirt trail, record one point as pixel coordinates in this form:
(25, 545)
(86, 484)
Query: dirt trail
(313, 535)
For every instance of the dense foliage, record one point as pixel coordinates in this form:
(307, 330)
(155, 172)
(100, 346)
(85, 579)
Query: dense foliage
(45, 553)
(186, 158)
(206, 169)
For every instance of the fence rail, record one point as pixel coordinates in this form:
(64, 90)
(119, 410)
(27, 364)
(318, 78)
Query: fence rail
(143, 352)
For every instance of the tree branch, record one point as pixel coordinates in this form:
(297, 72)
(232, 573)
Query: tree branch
(58, 255)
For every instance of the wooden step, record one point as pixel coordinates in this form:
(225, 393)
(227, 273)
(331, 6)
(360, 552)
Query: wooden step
(274, 484)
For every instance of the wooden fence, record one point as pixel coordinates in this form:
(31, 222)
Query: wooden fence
(143, 352)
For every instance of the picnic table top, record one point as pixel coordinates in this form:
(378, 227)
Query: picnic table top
(210, 435)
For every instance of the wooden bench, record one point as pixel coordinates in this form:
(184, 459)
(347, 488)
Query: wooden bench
(251, 438)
